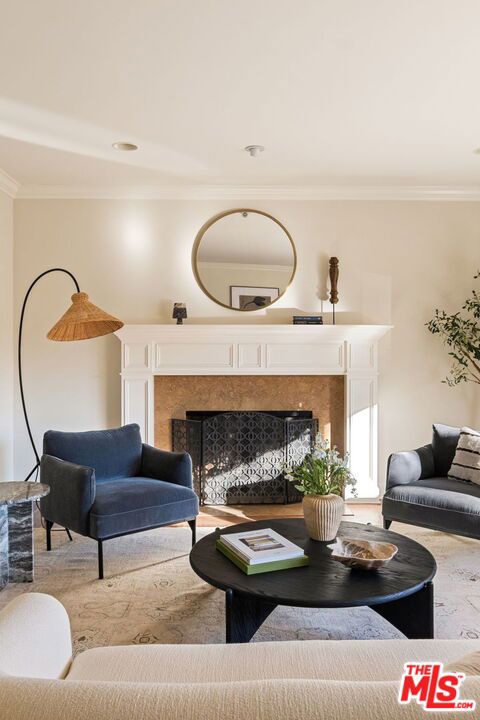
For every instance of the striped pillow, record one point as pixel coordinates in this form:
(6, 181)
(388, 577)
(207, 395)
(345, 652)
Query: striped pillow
(466, 463)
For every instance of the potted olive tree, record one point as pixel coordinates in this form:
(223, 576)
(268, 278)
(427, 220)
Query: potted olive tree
(322, 478)
(460, 333)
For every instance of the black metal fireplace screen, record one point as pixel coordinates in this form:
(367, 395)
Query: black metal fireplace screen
(240, 457)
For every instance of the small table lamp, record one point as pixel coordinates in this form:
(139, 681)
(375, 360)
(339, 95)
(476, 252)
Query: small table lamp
(179, 312)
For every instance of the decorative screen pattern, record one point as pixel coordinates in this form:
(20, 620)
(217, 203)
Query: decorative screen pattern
(187, 437)
(240, 457)
(300, 438)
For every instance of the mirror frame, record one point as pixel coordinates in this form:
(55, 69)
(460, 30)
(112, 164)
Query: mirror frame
(199, 238)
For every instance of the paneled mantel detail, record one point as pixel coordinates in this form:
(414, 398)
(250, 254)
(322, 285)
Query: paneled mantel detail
(349, 350)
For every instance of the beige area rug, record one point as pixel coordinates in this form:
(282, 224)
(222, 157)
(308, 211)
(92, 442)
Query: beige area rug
(151, 595)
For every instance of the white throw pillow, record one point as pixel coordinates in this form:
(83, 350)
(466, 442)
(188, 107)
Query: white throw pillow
(468, 664)
(466, 463)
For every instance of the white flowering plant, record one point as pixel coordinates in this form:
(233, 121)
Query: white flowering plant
(322, 472)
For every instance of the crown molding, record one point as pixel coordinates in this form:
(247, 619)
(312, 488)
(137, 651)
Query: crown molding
(8, 185)
(244, 192)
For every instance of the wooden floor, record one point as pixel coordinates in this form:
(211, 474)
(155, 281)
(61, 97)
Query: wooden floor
(224, 515)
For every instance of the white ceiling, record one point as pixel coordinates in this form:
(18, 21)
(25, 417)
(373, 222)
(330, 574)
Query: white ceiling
(341, 92)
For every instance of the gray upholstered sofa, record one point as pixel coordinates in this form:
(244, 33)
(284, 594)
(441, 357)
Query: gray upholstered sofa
(418, 491)
(107, 483)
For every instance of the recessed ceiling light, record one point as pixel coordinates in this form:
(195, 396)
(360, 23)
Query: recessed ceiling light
(254, 150)
(125, 146)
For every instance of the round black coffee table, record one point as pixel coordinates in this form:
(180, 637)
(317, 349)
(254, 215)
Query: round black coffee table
(401, 591)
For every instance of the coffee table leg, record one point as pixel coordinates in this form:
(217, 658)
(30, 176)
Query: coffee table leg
(20, 542)
(412, 615)
(244, 615)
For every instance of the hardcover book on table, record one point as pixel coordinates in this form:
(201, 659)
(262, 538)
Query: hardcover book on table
(261, 551)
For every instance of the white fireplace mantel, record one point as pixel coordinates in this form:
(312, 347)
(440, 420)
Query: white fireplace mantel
(349, 350)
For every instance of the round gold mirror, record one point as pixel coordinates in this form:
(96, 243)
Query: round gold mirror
(244, 259)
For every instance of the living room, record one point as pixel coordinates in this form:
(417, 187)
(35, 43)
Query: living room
(239, 258)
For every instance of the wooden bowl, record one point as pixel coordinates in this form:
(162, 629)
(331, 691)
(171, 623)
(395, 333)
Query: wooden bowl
(364, 554)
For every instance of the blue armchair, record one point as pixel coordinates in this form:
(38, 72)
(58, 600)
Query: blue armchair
(107, 483)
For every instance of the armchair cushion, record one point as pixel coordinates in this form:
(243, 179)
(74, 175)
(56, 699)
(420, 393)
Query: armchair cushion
(440, 492)
(72, 493)
(440, 503)
(137, 503)
(444, 443)
(174, 467)
(113, 453)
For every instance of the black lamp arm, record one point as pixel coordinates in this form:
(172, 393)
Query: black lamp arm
(20, 379)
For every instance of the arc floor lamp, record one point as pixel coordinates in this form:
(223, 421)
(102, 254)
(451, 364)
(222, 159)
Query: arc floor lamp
(83, 320)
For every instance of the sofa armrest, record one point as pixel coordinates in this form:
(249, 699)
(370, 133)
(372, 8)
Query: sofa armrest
(168, 466)
(35, 639)
(72, 493)
(408, 467)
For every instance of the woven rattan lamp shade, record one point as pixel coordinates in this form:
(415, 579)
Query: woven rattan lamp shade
(83, 320)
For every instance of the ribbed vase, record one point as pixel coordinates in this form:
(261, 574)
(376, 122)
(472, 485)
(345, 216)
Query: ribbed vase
(323, 514)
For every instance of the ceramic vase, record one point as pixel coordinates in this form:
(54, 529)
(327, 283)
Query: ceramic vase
(323, 514)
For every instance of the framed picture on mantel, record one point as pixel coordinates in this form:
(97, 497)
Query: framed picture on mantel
(245, 297)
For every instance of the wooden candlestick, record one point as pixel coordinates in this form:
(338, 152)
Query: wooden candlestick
(333, 273)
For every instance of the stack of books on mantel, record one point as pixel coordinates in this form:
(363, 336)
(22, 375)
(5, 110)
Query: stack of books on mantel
(307, 319)
(259, 551)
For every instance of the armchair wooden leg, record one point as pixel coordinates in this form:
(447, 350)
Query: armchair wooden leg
(193, 528)
(68, 534)
(100, 559)
(48, 529)
(386, 523)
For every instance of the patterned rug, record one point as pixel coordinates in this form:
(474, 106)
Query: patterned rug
(151, 595)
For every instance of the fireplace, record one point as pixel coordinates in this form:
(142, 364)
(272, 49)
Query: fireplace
(331, 370)
(239, 457)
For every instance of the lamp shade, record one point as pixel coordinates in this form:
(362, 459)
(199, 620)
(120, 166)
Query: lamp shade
(179, 311)
(83, 320)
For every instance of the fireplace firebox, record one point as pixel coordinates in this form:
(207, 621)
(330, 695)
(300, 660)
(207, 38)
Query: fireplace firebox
(239, 457)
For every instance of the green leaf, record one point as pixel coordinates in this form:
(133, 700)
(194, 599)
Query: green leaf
(461, 332)
(322, 472)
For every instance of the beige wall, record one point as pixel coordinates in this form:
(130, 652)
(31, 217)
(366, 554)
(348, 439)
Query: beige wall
(398, 261)
(6, 338)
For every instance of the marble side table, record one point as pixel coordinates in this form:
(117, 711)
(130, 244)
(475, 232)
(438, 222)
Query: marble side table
(16, 529)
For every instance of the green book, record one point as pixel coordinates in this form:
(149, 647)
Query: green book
(261, 567)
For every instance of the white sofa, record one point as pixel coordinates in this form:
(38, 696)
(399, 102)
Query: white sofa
(328, 680)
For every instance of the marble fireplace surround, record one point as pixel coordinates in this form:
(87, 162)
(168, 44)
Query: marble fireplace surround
(161, 365)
